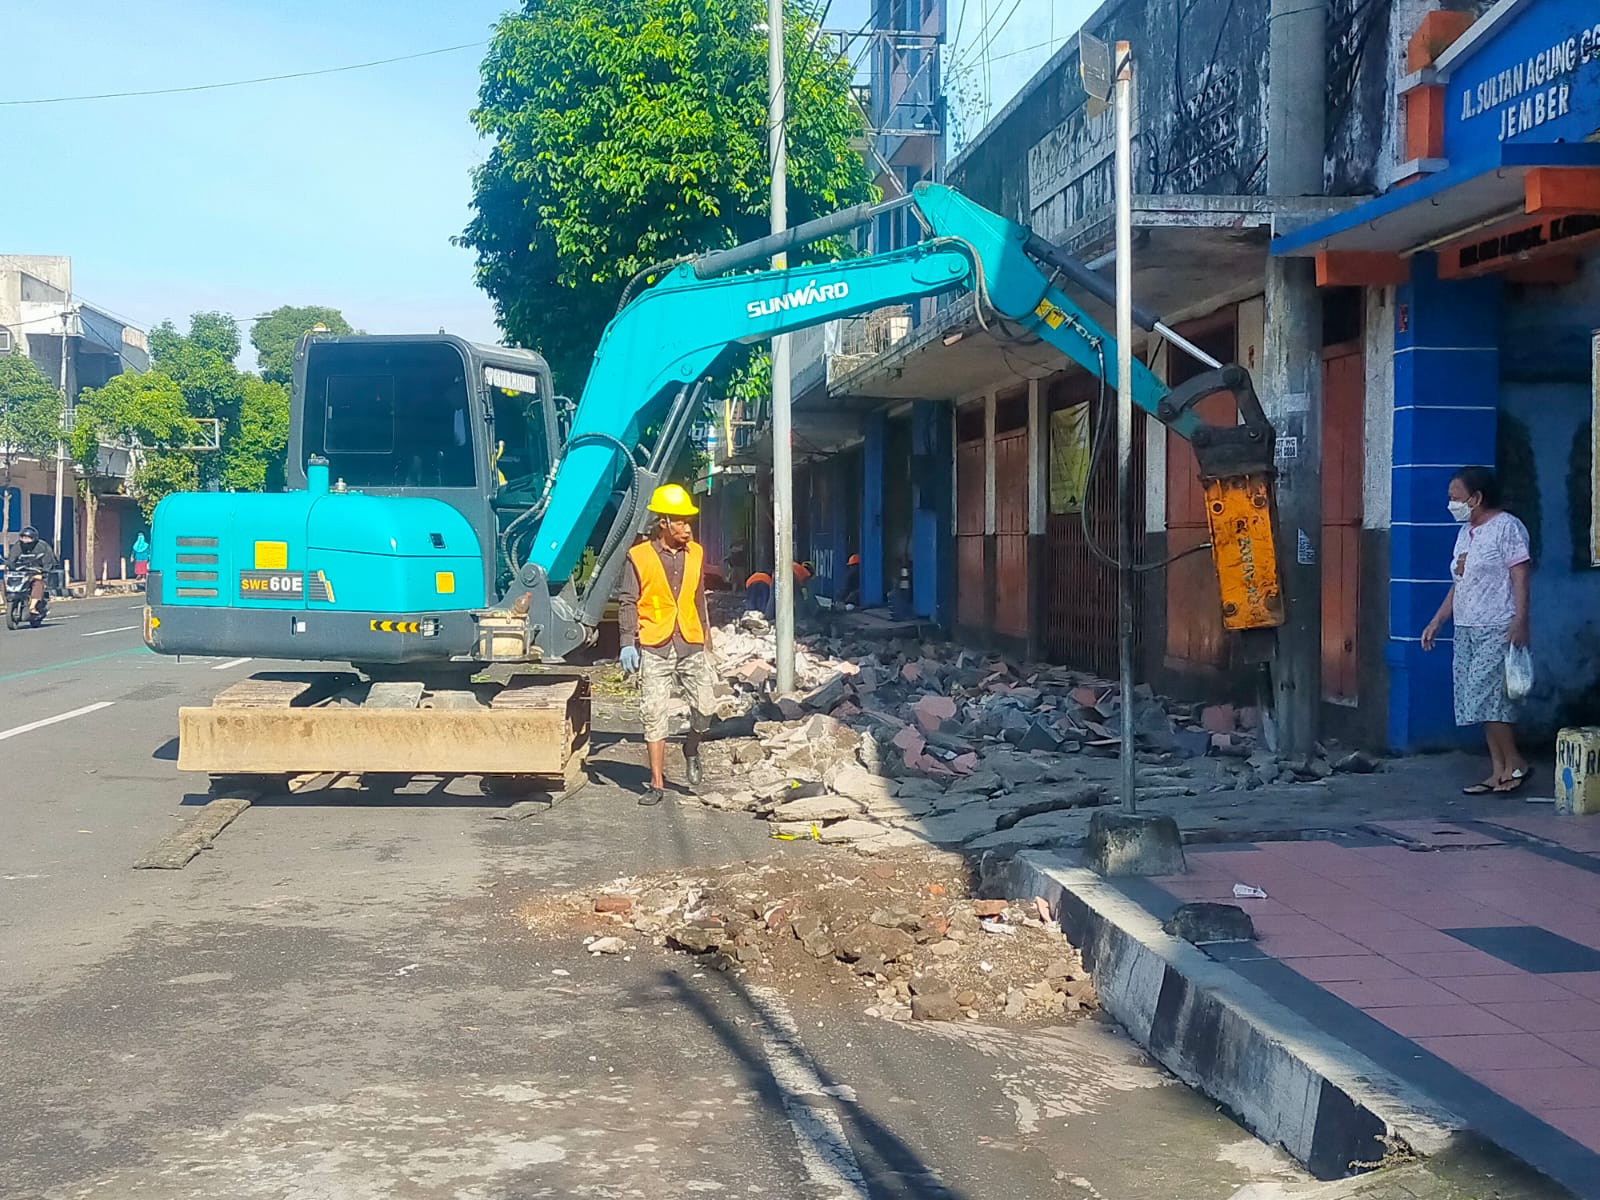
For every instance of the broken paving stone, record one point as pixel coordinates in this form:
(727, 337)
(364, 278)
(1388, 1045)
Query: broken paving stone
(858, 784)
(896, 918)
(937, 1006)
(816, 808)
(694, 940)
(932, 711)
(828, 694)
(619, 905)
(946, 949)
(851, 830)
(790, 708)
(1040, 992)
(990, 908)
(1060, 968)
(1357, 762)
(607, 945)
(1203, 922)
(870, 965)
(1016, 1003)
(891, 945)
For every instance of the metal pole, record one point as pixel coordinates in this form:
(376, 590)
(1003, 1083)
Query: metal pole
(1125, 576)
(61, 447)
(782, 456)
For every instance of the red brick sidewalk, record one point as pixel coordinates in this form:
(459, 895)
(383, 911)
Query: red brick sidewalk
(1478, 944)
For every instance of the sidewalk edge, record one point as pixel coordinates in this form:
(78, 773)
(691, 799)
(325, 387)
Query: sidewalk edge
(1282, 1077)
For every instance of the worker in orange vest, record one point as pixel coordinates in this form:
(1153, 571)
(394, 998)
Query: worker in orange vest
(666, 634)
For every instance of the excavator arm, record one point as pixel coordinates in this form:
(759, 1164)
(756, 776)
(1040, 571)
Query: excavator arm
(660, 347)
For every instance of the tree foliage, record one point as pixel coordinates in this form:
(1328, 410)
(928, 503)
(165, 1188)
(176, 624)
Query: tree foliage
(30, 422)
(30, 410)
(252, 414)
(628, 132)
(274, 336)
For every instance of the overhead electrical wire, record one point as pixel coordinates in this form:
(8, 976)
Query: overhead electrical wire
(233, 83)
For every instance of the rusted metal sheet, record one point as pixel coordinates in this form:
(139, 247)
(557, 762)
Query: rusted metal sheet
(970, 589)
(1011, 533)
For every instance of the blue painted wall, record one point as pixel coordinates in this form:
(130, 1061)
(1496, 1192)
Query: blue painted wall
(932, 548)
(1446, 383)
(1545, 395)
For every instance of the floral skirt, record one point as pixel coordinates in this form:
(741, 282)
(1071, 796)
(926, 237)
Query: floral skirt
(1480, 675)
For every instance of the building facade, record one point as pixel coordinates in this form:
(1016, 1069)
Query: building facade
(1455, 249)
(76, 346)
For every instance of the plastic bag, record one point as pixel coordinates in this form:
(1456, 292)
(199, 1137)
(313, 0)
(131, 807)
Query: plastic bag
(1519, 671)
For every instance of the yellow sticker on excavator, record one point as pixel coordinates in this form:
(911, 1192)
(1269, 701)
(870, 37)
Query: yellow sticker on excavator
(1050, 314)
(272, 556)
(395, 626)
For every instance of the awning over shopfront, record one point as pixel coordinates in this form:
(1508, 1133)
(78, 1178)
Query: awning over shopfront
(1511, 183)
(1502, 138)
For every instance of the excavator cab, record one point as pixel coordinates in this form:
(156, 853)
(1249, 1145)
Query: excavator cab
(409, 459)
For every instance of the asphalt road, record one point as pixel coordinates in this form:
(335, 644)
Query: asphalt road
(336, 1001)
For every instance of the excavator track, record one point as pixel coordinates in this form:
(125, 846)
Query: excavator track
(529, 734)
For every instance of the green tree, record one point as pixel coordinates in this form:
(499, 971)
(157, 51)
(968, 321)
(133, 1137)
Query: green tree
(30, 421)
(274, 336)
(252, 414)
(628, 132)
(252, 455)
(146, 415)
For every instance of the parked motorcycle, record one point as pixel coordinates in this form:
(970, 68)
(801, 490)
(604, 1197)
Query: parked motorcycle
(19, 596)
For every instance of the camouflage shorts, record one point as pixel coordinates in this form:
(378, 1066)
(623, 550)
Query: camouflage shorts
(693, 676)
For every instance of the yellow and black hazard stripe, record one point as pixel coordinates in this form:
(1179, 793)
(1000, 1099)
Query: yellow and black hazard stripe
(395, 626)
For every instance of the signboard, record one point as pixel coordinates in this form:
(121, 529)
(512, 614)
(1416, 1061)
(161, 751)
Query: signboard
(1095, 70)
(1524, 239)
(1534, 78)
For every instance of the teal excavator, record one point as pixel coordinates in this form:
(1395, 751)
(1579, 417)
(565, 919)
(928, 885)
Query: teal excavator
(442, 498)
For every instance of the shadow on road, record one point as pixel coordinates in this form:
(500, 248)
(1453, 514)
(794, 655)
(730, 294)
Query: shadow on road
(844, 1148)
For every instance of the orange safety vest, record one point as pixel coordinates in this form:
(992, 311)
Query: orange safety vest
(660, 612)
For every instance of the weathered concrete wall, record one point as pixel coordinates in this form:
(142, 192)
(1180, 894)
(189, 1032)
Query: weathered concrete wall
(1200, 116)
(1544, 460)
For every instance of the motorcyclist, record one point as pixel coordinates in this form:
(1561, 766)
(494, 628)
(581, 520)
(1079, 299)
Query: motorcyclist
(32, 554)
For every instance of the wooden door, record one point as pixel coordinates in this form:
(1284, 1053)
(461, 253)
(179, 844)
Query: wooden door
(1011, 533)
(1343, 388)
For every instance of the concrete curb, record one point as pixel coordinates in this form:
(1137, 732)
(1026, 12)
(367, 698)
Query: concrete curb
(1283, 1078)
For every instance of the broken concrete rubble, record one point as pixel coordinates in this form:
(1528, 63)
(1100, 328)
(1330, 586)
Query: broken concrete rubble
(903, 742)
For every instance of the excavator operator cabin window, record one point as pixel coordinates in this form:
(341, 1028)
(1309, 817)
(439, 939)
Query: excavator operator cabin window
(390, 415)
(519, 433)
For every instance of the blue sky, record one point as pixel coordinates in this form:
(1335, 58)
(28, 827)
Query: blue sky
(341, 189)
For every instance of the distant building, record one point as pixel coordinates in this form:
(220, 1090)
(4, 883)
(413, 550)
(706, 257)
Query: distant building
(76, 346)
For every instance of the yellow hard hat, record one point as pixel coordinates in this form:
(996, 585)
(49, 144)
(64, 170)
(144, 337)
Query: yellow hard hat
(672, 500)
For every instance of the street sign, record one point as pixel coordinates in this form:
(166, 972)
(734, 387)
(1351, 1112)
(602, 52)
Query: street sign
(1094, 69)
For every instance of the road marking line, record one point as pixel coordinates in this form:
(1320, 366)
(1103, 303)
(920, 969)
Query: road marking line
(75, 662)
(118, 629)
(819, 1134)
(66, 716)
(232, 662)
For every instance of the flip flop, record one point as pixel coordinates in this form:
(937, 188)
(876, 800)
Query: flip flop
(1518, 778)
(1479, 789)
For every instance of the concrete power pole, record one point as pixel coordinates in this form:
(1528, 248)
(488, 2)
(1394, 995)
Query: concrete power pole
(782, 447)
(1292, 367)
(61, 447)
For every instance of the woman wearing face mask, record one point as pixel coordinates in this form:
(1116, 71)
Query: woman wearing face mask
(1488, 600)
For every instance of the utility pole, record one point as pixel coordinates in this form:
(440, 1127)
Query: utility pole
(1126, 580)
(61, 445)
(1292, 364)
(782, 445)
